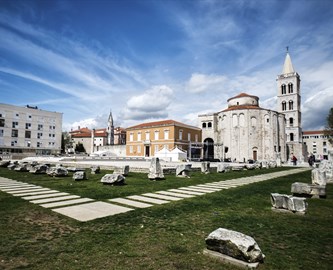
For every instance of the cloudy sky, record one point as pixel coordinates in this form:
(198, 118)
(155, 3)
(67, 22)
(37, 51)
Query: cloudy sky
(148, 60)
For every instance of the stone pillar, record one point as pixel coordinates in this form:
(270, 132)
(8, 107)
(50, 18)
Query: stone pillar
(92, 141)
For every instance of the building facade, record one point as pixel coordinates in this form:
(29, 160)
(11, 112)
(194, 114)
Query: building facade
(244, 131)
(90, 139)
(289, 103)
(317, 143)
(27, 131)
(144, 140)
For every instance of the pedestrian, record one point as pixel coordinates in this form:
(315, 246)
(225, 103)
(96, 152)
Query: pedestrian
(294, 160)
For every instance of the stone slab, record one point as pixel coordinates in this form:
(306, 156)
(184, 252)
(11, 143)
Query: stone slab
(229, 260)
(35, 197)
(186, 191)
(45, 191)
(162, 197)
(146, 199)
(91, 211)
(55, 199)
(68, 202)
(175, 194)
(22, 189)
(131, 203)
(15, 186)
(197, 189)
(31, 191)
(219, 187)
(209, 187)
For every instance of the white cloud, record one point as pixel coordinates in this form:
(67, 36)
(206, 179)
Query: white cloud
(151, 104)
(199, 83)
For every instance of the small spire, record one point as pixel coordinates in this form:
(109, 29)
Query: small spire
(288, 65)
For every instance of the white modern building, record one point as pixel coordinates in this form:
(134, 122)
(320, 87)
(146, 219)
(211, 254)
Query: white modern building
(26, 131)
(317, 143)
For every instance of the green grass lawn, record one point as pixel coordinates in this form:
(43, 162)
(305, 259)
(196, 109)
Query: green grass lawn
(169, 236)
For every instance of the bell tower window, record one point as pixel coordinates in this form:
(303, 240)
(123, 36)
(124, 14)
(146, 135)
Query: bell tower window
(290, 88)
(283, 89)
(284, 106)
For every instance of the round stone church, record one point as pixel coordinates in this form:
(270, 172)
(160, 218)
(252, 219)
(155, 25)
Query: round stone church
(244, 131)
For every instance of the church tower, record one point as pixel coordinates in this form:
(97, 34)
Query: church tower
(289, 103)
(110, 130)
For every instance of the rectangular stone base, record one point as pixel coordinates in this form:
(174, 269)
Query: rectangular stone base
(227, 259)
(280, 210)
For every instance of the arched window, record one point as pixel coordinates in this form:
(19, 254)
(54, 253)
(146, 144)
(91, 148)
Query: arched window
(291, 137)
(283, 89)
(209, 124)
(290, 88)
(284, 106)
(291, 105)
(291, 121)
(203, 125)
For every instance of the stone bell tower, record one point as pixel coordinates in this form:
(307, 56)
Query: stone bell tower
(289, 103)
(110, 130)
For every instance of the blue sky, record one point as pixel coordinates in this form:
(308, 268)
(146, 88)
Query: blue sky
(152, 60)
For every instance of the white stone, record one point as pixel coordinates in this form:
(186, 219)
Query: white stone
(113, 179)
(155, 170)
(235, 244)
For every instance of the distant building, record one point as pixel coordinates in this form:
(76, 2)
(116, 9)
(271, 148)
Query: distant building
(95, 140)
(144, 140)
(317, 143)
(244, 131)
(28, 131)
(89, 138)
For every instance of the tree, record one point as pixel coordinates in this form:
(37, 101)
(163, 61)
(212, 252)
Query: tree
(65, 141)
(329, 126)
(79, 148)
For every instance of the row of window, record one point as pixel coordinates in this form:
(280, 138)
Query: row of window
(316, 137)
(27, 134)
(284, 87)
(15, 124)
(284, 105)
(157, 136)
(138, 148)
(29, 117)
(28, 144)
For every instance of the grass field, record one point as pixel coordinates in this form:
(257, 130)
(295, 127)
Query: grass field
(170, 236)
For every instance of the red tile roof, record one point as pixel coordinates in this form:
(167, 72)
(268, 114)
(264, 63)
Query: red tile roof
(312, 132)
(160, 123)
(243, 107)
(243, 95)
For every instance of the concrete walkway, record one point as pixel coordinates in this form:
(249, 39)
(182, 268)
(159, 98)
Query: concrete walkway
(86, 209)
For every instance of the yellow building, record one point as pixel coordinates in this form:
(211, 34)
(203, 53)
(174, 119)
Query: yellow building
(144, 140)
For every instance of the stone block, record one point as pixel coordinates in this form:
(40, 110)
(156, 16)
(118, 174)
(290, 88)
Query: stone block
(113, 179)
(183, 170)
(234, 244)
(124, 170)
(80, 175)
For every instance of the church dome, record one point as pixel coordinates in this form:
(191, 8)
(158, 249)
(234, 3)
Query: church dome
(242, 100)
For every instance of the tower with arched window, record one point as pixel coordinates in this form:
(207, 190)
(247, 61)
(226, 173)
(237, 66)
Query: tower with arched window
(110, 130)
(289, 103)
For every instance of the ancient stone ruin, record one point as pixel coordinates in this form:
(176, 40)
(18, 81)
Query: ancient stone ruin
(57, 171)
(234, 247)
(113, 179)
(124, 170)
(288, 203)
(222, 168)
(155, 170)
(80, 175)
(39, 169)
(308, 190)
(183, 170)
(95, 169)
(205, 167)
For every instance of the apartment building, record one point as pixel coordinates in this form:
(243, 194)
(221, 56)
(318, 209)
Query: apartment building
(27, 131)
(317, 143)
(144, 140)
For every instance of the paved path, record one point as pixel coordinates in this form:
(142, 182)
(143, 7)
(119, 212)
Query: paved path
(85, 209)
